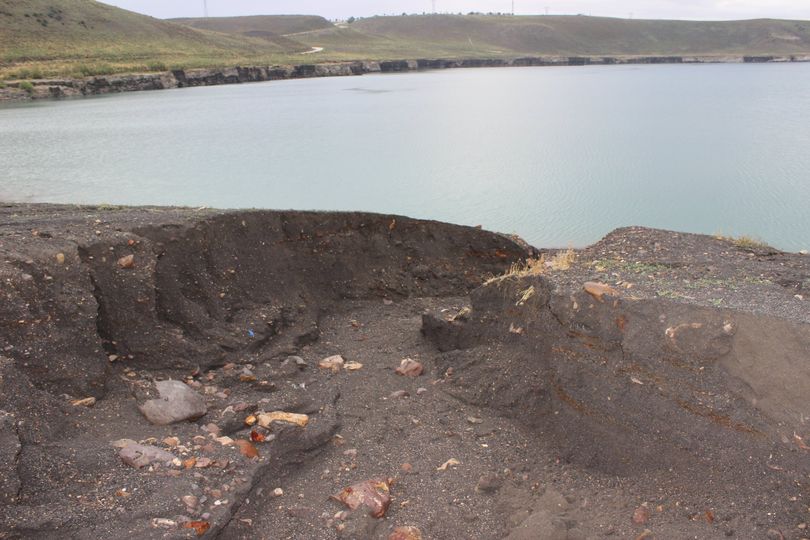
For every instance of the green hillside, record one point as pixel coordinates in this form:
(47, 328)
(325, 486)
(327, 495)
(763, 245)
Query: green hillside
(56, 37)
(82, 37)
(493, 35)
(277, 25)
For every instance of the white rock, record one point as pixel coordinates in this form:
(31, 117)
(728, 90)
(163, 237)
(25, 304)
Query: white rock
(177, 402)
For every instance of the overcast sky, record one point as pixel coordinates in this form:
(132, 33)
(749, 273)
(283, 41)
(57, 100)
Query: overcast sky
(340, 9)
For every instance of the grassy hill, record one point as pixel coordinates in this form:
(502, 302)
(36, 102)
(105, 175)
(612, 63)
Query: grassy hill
(494, 35)
(275, 29)
(277, 25)
(80, 37)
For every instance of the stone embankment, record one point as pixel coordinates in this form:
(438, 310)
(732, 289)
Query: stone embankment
(110, 84)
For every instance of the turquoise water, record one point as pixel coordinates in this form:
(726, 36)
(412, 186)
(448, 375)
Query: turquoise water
(560, 156)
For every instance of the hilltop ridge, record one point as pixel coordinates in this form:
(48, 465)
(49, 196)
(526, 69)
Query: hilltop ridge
(84, 37)
(504, 35)
(80, 38)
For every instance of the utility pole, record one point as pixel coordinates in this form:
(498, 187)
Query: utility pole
(434, 5)
(205, 8)
(513, 8)
(546, 10)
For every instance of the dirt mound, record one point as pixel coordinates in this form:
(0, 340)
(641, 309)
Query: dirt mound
(652, 385)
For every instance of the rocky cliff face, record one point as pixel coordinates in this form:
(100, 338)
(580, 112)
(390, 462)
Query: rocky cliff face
(90, 86)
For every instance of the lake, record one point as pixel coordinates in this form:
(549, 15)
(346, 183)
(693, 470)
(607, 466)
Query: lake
(559, 155)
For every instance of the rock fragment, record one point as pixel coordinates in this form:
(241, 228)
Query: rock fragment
(266, 419)
(247, 449)
(406, 533)
(127, 262)
(409, 368)
(139, 455)
(489, 484)
(177, 402)
(372, 494)
(641, 515)
(164, 523)
(335, 363)
(599, 290)
(85, 402)
(452, 462)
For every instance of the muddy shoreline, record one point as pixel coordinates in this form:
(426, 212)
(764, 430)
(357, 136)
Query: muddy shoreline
(56, 88)
(652, 385)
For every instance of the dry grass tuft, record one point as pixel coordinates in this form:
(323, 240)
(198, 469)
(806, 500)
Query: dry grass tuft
(563, 260)
(748, 242)
(744, 242)
(537, 266)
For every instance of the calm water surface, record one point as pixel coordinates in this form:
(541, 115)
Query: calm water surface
(558, 155)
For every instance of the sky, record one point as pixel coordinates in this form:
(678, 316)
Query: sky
(342, 9)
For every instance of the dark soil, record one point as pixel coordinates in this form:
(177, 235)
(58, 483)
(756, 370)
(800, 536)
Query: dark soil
(677, 398)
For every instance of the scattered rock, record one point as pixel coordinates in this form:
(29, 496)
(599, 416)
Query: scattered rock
(139, 455)
(489, 484)
(247, 449)
(177, 402)
(86, 402)
(171, 442)
(212, 428)
(452, 462)
(399, 394)
(335, 363)
(641, 515)
(60, 258)
(409, 368)
(352, 366)
(224, 441)
(599, 290)
(164, 523)
(406, 533)
(121, 443)
(127, 261)
(278, 492)
(200, 527)
(373, 494)
(266, 419)
(297, 360)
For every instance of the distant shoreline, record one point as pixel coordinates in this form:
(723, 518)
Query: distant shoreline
(58, 88)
